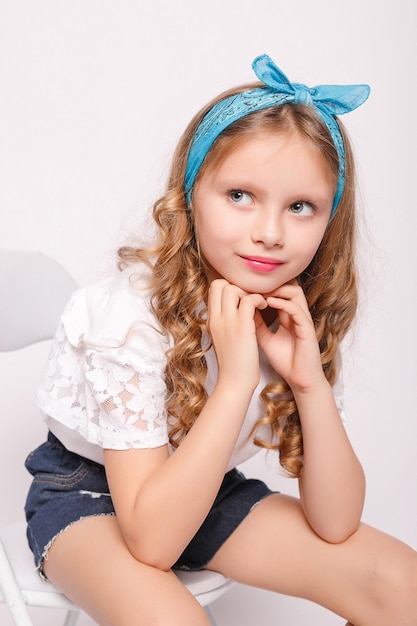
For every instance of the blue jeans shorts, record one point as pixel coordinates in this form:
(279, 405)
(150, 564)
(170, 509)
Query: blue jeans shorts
(67, 488)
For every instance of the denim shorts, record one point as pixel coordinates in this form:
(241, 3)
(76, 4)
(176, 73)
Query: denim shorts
(67, 488)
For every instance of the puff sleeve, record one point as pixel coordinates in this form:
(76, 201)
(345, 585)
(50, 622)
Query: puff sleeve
(105, 375)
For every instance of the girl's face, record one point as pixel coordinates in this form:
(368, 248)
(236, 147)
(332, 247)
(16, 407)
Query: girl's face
(261, 214)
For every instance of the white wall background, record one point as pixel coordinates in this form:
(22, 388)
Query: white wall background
(93, 96)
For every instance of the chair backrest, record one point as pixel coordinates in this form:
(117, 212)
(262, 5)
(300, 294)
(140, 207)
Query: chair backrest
(34, 289)
(33, 292)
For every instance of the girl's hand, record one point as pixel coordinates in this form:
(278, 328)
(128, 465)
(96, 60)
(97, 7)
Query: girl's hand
(231, 324)
(293, 350)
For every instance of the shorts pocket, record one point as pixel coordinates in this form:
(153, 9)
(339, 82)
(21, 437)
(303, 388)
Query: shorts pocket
(53, 461)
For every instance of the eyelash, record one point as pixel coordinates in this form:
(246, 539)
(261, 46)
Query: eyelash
(237, 191)
(308, 202)
(247, 193)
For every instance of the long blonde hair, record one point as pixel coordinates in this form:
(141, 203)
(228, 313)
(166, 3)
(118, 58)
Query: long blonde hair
(180, 284)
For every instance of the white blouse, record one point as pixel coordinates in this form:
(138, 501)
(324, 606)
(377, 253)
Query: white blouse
(104, 383)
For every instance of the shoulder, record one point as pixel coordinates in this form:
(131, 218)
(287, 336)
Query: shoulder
(111, 312)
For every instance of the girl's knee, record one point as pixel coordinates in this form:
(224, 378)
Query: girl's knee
(393, 587)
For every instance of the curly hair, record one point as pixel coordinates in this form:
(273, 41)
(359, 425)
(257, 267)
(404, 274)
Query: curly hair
(180, 284)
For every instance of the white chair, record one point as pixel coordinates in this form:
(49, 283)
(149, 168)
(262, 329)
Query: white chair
(34, 289)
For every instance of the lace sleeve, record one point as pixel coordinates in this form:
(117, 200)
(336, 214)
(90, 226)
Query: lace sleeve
(105, 377)
(127, 407)
(103, 397)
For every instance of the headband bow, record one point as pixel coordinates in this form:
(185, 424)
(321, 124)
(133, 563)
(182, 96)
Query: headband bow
(337, 99)
(327, 100)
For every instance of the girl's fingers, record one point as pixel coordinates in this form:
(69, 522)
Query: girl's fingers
(291, 291)
(292, 309)
(225, 298)
(215, 297)
(250, 302)
(223, 295)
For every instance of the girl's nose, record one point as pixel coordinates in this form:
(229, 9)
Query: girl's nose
(268, 228)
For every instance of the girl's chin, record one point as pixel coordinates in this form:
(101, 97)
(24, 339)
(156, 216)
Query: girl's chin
(251, 285)
(264, 290)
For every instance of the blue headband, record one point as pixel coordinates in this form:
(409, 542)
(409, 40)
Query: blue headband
(327, 100)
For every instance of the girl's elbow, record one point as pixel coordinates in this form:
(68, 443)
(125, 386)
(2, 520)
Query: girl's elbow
(150, 554)
(337, 535)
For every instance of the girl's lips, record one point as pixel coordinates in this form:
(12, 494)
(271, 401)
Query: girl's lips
(261, 264)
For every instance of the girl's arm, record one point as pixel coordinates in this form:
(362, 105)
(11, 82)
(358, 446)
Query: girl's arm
(162, 500)
(332, 485)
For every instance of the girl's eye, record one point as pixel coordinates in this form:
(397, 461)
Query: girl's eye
(240, 197)
(302, 208)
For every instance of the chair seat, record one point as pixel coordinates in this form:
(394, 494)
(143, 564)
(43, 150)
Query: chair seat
(34, 590)
(205, 585)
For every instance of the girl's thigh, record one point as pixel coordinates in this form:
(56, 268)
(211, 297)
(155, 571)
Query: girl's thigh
(91, 564)
(371, 578)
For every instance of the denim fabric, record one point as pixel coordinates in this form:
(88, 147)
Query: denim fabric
(67, 488)
(236, 498)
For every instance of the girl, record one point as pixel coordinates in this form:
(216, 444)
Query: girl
(220, 340)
